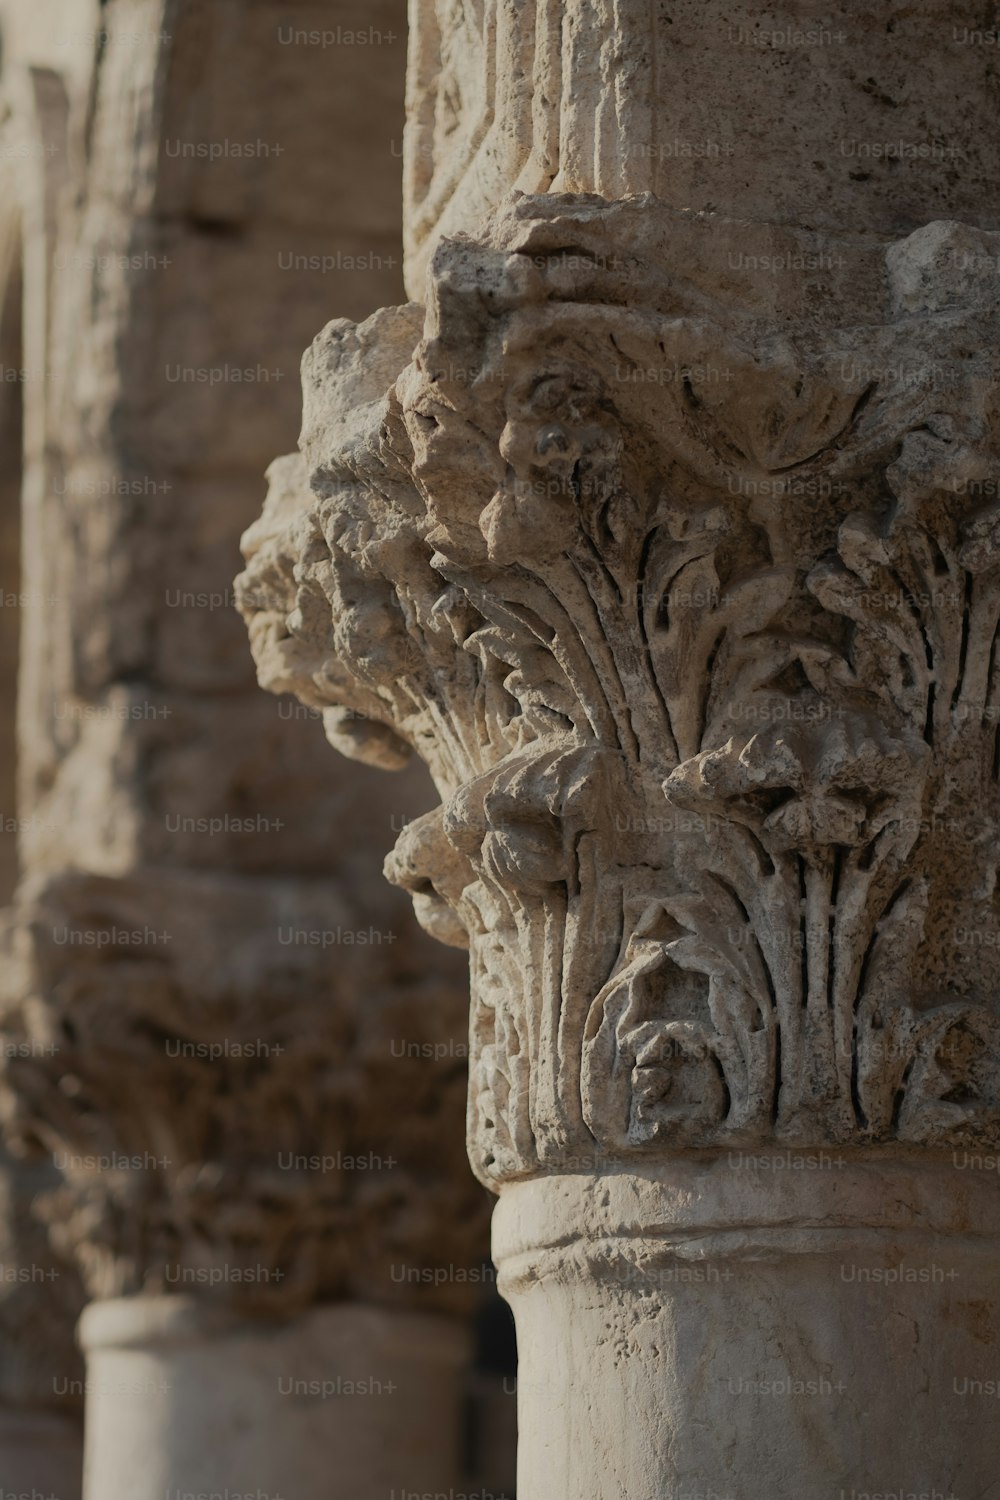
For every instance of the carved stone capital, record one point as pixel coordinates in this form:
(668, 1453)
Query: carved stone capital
(214, 1092)
(671, 544)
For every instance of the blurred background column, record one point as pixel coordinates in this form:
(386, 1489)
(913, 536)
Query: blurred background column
(242, 1061)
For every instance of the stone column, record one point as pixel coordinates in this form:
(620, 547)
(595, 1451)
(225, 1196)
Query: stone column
(259, 1245)
(348, 1399)
(666, 532)
(216, 1007)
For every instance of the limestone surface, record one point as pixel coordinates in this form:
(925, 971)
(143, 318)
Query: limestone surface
(688, 596)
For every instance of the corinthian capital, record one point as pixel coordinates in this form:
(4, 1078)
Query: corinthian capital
(682, 576)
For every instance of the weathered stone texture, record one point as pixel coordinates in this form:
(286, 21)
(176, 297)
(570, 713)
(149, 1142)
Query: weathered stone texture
(802, 113)
(688, 600)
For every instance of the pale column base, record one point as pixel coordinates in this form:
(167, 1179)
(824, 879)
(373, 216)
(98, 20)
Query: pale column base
(41, 1453)
(721, 1330)
(347, 1401)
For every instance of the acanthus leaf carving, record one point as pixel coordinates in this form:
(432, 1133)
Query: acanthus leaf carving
(688, 596)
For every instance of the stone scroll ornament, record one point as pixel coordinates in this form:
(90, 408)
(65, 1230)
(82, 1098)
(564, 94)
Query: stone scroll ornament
(688, 596)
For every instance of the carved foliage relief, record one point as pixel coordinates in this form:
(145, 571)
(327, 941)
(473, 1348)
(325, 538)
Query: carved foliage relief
(688, 595)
